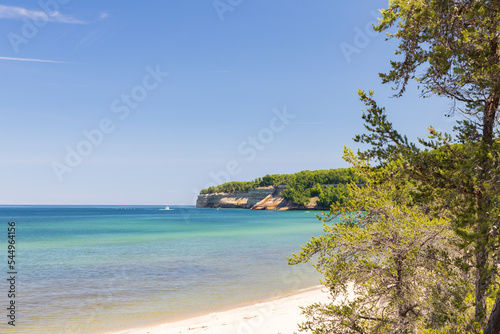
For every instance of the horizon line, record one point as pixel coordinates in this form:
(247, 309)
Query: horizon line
(3, 204)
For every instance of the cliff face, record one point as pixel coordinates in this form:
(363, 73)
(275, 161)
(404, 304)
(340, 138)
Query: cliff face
(264, 198)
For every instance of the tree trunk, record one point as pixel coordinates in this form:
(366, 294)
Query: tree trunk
(402, 310)
(482, 252)
(482, 284)
(493, 326)
(489, 117)
(490, 111)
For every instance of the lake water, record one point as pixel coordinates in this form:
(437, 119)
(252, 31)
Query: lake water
(91, 269)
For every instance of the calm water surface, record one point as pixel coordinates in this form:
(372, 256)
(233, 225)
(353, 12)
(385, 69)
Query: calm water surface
(92, 269)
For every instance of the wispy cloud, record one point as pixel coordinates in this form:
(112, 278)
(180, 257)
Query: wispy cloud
(307, 123)
(218, 71)
(11, 12)
(35, 60)
(103, 16)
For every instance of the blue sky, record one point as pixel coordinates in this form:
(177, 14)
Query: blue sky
(130, 102)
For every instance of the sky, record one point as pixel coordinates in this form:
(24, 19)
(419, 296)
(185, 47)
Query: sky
(148, 102)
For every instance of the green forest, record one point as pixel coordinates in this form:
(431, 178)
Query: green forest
(329, 185)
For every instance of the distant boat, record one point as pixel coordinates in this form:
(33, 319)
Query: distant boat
(167, 208)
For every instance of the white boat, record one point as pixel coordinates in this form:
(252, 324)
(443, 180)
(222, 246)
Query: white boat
(167, 208)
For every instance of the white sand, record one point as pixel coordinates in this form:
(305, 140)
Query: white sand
(278, 315)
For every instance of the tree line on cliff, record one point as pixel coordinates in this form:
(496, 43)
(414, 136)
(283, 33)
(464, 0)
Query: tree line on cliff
(329, 185)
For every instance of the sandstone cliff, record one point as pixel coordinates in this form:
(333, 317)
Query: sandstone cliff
(264, 198)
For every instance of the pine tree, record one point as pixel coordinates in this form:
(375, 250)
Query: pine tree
(455, 43)
(401, 263)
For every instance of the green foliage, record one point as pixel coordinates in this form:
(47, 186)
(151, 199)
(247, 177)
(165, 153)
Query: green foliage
(454, 42)
(316, 190)
(300, 187)
(456, 177)
(230, 187)
(333, 194)
(451, 48)
(296, 195)
(392, 259)
(433, 219)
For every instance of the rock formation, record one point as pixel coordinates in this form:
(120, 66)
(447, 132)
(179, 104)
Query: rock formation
(263, 198)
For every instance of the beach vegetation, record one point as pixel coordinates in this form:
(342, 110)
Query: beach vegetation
(390, 266)
(435, 211)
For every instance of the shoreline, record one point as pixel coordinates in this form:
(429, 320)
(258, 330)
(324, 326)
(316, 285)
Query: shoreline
(277, 314)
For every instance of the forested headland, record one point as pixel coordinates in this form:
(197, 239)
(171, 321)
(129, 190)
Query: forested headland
(328, 185)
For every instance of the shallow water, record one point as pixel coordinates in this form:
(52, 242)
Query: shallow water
(87, 269)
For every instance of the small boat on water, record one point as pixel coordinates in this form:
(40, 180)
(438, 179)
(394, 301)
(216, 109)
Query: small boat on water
(167, 208)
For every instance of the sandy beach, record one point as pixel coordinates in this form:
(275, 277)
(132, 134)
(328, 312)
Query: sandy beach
(277, 315)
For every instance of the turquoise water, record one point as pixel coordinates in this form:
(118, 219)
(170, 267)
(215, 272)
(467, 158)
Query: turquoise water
(94, 269)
